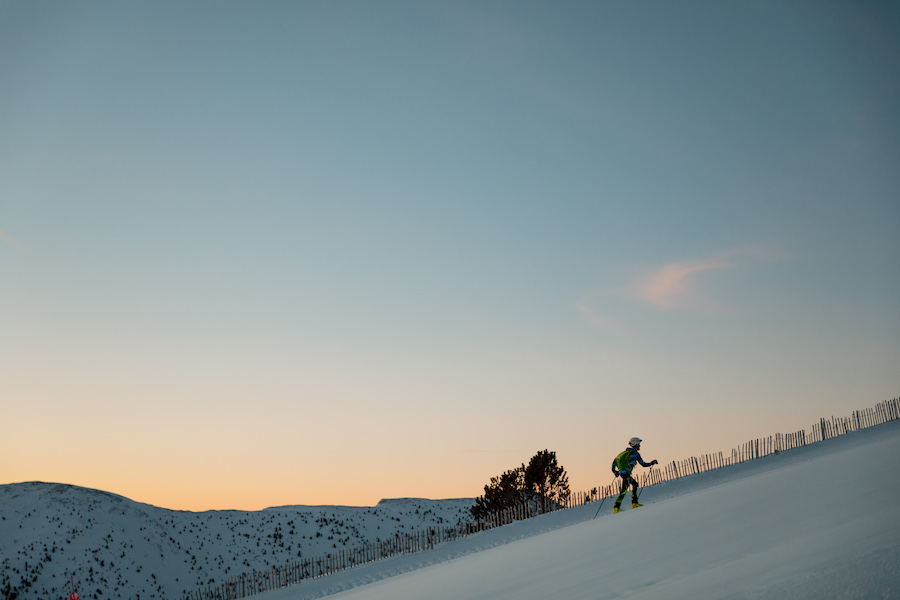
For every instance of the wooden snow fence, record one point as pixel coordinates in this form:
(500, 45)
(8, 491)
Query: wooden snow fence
(278, 576)
(275, 577)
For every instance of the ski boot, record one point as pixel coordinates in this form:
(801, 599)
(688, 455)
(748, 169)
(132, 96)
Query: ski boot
(616, 509)
(635, 504)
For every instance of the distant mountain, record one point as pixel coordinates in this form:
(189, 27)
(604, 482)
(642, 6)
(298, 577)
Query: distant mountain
(118, 548)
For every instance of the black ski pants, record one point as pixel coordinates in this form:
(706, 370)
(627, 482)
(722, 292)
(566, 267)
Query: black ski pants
(627, 480)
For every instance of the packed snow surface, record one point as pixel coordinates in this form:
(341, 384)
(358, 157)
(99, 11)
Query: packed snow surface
(817, 522)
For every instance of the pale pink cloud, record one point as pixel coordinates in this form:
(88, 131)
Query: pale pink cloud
(672, 286)
(587, 306)
(7, 239)
(664, 287)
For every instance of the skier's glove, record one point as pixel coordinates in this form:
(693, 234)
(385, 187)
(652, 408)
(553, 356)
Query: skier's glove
(654, 462)
(616, 472)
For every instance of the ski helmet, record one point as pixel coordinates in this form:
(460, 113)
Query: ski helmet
(634, 442)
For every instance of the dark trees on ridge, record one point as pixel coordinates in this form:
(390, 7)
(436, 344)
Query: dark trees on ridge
(546, 480)
(543, 483)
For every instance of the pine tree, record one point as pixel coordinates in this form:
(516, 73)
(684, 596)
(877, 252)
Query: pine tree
(502, 492)
(547, 480)
(542, 483)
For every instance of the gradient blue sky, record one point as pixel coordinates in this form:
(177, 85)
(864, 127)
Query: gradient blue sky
(329, 252)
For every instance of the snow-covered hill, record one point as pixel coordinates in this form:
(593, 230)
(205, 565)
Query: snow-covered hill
(118, 548)
(814, 523)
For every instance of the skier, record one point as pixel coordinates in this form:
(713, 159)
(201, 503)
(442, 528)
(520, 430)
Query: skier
(622, 466)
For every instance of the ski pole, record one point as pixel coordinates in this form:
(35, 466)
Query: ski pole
(602, 500)
(649, 478)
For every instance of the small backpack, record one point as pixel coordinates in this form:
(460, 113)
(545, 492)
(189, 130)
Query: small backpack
(622, 460)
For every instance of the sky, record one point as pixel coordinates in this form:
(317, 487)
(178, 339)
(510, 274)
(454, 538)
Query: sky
(260, 254)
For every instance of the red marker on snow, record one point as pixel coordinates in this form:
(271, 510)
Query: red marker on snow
(74, 594)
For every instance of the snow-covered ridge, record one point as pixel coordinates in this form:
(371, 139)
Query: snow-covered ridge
(118, 548)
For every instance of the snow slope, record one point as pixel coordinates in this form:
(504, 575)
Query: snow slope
(817, 522)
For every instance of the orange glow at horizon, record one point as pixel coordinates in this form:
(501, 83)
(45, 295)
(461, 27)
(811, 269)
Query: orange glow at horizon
(202, 483)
